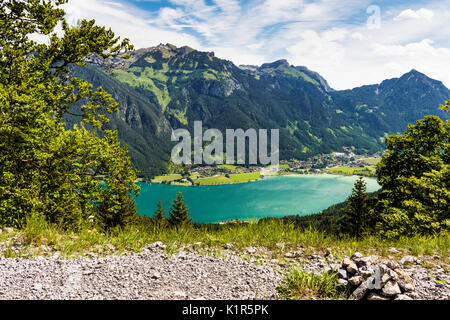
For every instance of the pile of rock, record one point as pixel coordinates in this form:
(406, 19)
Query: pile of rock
(367, 278)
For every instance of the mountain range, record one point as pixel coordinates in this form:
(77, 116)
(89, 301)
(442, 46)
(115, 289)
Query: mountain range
(167, 87)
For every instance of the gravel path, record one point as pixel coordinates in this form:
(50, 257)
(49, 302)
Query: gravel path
(151, 274)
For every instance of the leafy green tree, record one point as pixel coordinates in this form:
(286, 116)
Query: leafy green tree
(415, 179)
(160, 218)
(446, 107)
(66, 175)
(179, 213)
(356, 214)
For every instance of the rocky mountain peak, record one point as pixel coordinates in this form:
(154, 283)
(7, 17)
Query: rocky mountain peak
(275, 64)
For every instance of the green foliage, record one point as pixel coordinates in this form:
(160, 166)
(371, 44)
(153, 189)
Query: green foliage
(64, 175)
(415, 177)
(179, 213)
(446, 107)
(299, 284)
(356, 214)
(160, 219)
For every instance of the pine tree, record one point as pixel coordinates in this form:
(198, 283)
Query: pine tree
(179, 213)
(159, 218)
(356, 213)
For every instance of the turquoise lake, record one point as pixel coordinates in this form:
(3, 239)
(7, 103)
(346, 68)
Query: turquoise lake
(270, 197)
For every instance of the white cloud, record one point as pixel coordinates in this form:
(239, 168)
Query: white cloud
(238, 54)
(126, 23)
(357, 36)
(318, 51)
(411, 14)
(355, 55)
(321, 34)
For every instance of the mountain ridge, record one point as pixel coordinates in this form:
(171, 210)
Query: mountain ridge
(183, 85)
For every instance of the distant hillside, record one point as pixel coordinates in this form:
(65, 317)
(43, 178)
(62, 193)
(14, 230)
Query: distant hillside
(166, 87)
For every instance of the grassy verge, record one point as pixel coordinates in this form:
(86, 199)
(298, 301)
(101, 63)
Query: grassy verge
(273, 235)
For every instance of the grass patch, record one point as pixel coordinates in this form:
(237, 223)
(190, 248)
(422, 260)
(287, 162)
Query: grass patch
(299, 284)
(232, 178)
(214, 180)
(244, 177)
(371, 161)
(367, 171)
(194, 176)
(147, 80)
(167, 178)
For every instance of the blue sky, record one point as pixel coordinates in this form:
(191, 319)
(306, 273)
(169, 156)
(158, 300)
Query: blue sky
(350, 43)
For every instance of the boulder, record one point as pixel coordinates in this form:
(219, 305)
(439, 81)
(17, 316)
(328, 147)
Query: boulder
(361, 291)
(390, 289)
(366, 273)
(374, 279)
(342, 282)
(250, 250)
(342, 274)
(385, 278)
(410, 260)
(376, 297)
(393, 250)
(404, 281)
(356, 280)
(357, 255)
(350, 266)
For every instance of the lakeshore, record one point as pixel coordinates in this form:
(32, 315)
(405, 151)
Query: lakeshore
(273, 196)
(343, 164)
